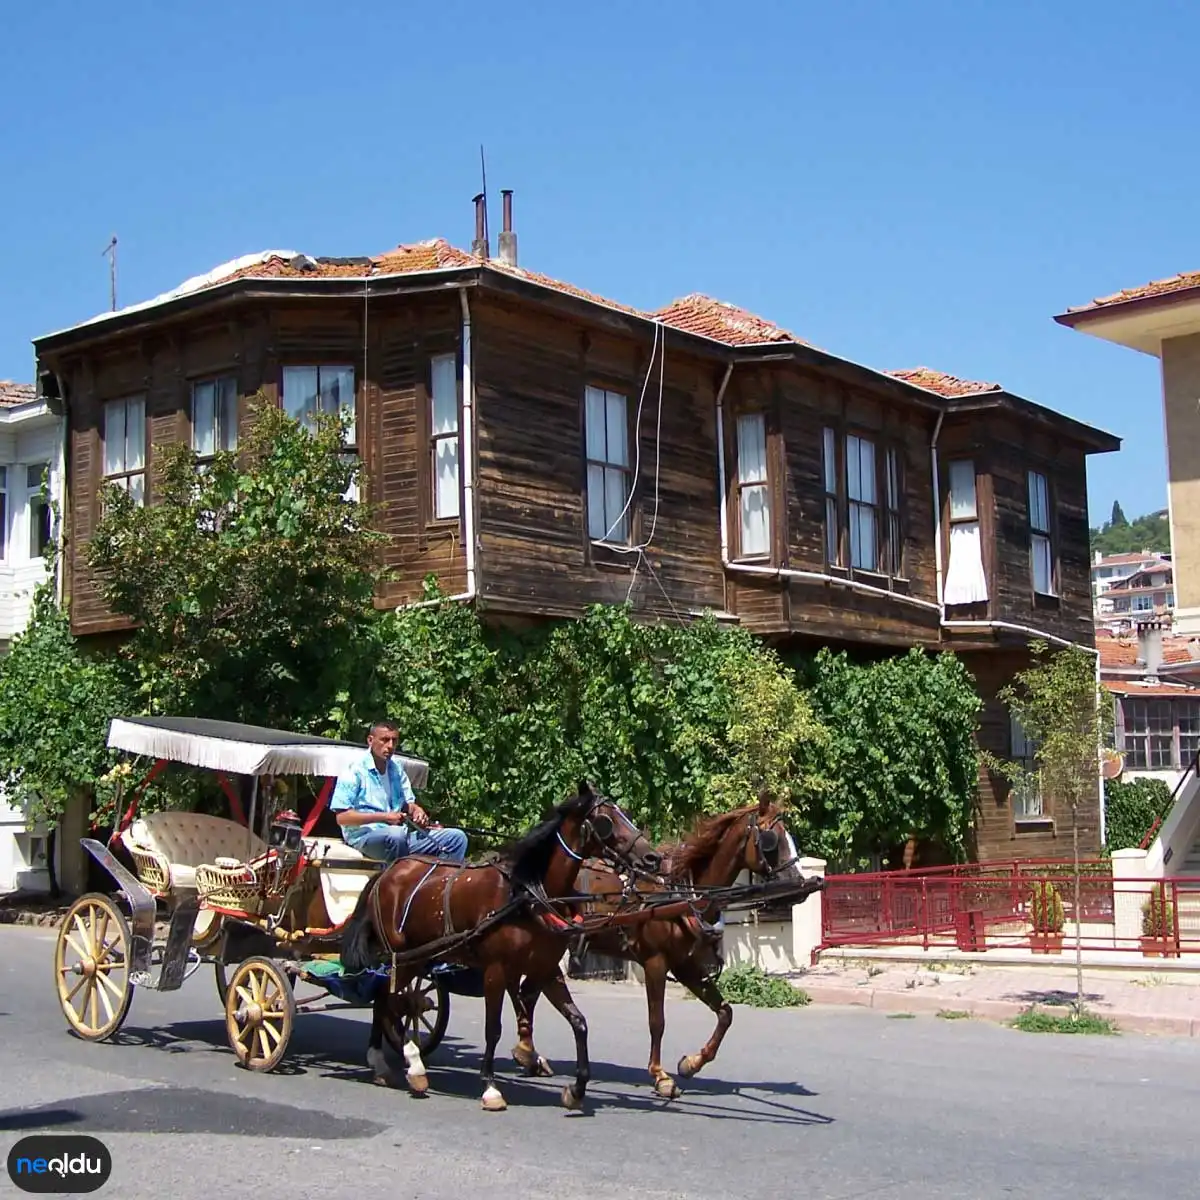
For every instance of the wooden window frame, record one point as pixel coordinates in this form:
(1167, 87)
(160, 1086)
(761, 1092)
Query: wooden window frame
(436, 439)
(5, 509)
(630, 502)
(124, 478)
(1137, 744)
(1026, 822)
(40, 514)
(350, 448)
(1047, 533)
(888, 463)
(215, 381)
(765, 483)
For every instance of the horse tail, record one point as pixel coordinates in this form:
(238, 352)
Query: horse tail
(360, 947)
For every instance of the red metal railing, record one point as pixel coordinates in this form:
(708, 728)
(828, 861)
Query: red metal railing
(989, 906)
(1193, 768)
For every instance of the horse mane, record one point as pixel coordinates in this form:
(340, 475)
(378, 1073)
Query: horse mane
(529, 856)
(697, 848)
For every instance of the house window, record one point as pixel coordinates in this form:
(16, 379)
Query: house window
(1027, 792)
(39, 509)
(1041, 549)
(125, 446)
(608, 474)
(1160, 734)
(327, 388)
(894, 541)
(833, 541)
(754, 500)
(966, 582)
(863, 503)
(443, 449)
(3, 513)
(214, 416)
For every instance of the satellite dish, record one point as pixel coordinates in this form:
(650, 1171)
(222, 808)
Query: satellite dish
(1113, 764)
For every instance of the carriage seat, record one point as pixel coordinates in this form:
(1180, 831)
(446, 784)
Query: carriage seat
(168, 847)
(340, 887)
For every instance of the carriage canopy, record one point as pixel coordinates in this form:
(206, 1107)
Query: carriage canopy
(243, 749)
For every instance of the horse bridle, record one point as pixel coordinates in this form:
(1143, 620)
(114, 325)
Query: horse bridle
(766, 841)
(602, 827)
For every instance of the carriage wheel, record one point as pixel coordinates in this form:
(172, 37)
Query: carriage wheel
(91, 967)
(260, 1012)
(429, 1000)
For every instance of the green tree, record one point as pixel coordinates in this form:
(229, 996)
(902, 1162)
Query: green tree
(1118, 517)
(1150, 532)
(251, 581)
(1130, 809)
(902, 754)
(1067, 715)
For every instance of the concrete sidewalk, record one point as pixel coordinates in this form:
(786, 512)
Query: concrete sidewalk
(1138, 1001)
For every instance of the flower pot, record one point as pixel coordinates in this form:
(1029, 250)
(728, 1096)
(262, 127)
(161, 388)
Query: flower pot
(1046, 943)
(1158, 947)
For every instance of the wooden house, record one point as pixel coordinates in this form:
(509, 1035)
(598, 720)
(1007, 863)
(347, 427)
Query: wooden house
(540, 449)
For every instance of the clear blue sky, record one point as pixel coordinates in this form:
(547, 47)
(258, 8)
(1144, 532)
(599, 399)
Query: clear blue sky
(901, 183)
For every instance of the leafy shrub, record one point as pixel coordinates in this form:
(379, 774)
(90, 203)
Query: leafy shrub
(746, 983)
(1131, 808)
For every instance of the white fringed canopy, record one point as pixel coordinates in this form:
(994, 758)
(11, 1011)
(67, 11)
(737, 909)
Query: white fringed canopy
(243, 749)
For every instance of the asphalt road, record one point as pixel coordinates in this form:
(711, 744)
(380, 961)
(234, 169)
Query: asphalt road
(813, 1103)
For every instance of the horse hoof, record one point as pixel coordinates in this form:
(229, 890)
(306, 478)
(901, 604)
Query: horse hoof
(383, 1081)
(543, 1067)
(570, 1100)
(689, 1065)
(418, 1084)
(492, 1100)
(666, 1087)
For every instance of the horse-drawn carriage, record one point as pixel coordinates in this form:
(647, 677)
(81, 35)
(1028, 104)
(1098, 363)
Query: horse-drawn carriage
(258, 896)
(273, 906)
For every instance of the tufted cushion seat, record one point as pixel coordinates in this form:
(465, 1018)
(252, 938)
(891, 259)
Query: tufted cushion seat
(340, 888)
(169, 846)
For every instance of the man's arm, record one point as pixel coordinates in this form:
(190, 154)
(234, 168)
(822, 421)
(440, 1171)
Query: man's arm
(408, 800)
(345, 796)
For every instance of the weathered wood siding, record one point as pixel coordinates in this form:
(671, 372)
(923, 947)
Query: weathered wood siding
(535, 555)
(999, 836)
(800, 404)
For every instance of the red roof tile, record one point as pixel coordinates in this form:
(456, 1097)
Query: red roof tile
(12, 394)
(1119, 652)
(1157, 287)
(721, 322)
(1135, 687)
(943, 384)
(1118, 560)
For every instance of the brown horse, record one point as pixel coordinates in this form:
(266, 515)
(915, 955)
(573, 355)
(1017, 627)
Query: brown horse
(751, 839)
(425, 902)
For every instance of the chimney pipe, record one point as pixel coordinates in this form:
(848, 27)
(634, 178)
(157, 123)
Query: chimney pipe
(479, 247)
(508, 239)
(1150, 638)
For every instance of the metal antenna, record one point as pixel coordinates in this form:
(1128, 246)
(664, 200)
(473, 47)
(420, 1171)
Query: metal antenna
(483, 172)
(111, 251)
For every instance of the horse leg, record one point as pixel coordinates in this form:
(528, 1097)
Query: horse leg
(415, 1075)
(556, 991)
(524, 1052)
(704, 989)
(655, 969)
(494, 986)
(376, 1060)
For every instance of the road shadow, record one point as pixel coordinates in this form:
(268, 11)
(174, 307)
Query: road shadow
(187, 1110)
(334, 1048)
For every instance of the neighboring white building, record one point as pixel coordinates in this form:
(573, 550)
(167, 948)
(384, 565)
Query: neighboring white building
(30, 451)
(1121, 573)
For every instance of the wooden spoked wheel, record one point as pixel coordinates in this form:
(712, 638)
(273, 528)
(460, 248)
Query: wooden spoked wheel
(260, 1013)
(91, 967)
(421, 1011)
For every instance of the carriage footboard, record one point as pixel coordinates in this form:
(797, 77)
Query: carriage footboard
(141, 909)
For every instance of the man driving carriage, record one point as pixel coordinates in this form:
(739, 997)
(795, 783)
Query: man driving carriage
(374, 803)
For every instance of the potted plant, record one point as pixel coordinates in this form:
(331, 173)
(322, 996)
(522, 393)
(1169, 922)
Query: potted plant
(1158, 925)
(1047, 917)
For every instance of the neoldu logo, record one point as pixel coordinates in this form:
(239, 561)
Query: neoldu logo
(59, 1162)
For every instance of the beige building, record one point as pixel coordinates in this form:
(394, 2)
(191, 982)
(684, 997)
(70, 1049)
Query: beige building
(1163, 319)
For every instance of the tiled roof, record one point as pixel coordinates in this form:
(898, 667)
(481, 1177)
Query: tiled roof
(12, 394)
(1120, 560)
(721, 322)
(1116, 653)
(943, 384)
(1157, 287)
(1136, 687)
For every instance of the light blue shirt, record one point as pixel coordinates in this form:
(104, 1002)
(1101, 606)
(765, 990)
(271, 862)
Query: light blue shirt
(361, 788)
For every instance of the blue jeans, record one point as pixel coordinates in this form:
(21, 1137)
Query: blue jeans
(389, 844)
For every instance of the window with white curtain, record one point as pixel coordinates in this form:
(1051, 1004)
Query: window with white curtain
(37, 481)
(1027, 791)
(608, 472)
(863, 503)
(966, 582)
(214, 415)
(4, 513)
(754, 499)
(443, 424)
(1041, 548)
(125, 445)
(325, 388)
(894, 537)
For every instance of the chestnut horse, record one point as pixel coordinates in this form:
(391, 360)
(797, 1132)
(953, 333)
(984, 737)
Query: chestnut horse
(752, 839)
(503, 909)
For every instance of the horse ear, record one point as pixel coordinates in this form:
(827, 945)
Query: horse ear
(585, 788)
(764, 801)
